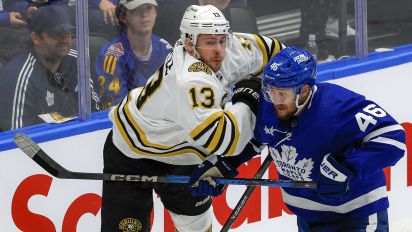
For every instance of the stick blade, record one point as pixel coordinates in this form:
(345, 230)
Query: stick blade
(28, 146)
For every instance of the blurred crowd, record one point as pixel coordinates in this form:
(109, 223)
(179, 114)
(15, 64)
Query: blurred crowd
(128, 40)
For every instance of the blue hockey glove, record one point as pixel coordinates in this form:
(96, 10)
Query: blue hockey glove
(201, 180)
(333, 182)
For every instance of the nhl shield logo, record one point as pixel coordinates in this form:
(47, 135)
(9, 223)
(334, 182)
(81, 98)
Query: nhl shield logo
(130, 225)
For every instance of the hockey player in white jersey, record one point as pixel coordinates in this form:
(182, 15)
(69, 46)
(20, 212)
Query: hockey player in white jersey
(179, 118)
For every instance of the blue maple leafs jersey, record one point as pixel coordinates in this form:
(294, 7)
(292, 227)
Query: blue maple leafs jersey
(358, 132)
(119, 70)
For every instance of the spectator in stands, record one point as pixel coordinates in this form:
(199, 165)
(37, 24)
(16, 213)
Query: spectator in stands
(26, 8)
(10, 18)
(43, 77)
(12, 31)
(131, 58)
(102, 18)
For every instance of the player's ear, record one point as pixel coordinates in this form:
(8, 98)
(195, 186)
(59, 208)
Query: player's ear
(304, 92)
(188, 46)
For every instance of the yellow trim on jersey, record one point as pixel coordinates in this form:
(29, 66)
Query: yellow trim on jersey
(113, 67)
(262, 47)
(109, 62)
(201, 127)
(219, 131)
(140, 131)
(144, 138)
(277, 48)
(217, 135)
(236, 137)
(105, 64)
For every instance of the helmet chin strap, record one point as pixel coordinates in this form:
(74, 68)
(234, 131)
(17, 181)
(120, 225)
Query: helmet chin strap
(301, 107)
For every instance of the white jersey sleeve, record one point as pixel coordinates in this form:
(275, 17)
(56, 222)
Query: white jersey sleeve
(248, 55)
(200, 101)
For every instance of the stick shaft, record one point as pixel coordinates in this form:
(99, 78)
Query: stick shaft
(245, 197)
(29, 147)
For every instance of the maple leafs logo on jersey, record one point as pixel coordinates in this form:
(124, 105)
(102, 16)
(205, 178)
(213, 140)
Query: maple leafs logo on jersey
(49, 98)
(200, 67)
(288, 165)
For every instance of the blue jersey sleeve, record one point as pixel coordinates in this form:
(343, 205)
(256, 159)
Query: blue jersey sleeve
(374, 138)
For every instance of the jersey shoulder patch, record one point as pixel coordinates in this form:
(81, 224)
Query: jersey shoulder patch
(200, 67)
(115, 50)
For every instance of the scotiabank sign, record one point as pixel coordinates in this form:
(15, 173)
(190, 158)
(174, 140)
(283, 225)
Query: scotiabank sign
(263, 210)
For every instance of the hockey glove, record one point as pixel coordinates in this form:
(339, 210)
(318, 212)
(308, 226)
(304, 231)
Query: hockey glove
(247, 91)
(333, 183)
(201, 180)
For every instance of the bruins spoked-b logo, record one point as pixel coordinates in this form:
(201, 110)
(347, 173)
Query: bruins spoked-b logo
(200, 67)
(130, 225)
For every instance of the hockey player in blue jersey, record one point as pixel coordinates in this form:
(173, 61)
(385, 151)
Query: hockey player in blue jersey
(324, 133)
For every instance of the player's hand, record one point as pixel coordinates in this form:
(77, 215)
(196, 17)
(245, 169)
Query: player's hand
(201, 180)
(333, 182)
(108, 10)
(247, 91)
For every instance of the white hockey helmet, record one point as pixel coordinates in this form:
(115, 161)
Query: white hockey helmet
(203, 20)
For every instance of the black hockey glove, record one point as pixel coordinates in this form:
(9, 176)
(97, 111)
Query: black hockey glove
(201, 181)
(247, 91)
(333, 182)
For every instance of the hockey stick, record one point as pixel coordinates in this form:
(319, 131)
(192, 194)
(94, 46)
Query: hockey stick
(30, 148)
(245, 197)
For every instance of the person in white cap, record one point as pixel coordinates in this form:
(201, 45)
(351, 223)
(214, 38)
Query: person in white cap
(132, 57)
(180, 119)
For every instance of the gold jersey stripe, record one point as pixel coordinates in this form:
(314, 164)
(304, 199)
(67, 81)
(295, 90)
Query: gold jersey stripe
(205, 125)
(217, 135)
(208, 124)
(143, 136)
(263, 48)
(235, 134)
(277, 48)
(121, 127)
(105, 64)
(108, 64)
(113, 66)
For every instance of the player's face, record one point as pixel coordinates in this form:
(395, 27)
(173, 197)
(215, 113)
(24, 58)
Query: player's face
(284, 100)
(211, 49)
(142, 19)
(53, 47)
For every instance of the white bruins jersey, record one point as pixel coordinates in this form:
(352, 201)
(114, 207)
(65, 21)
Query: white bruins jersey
(180, 116)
